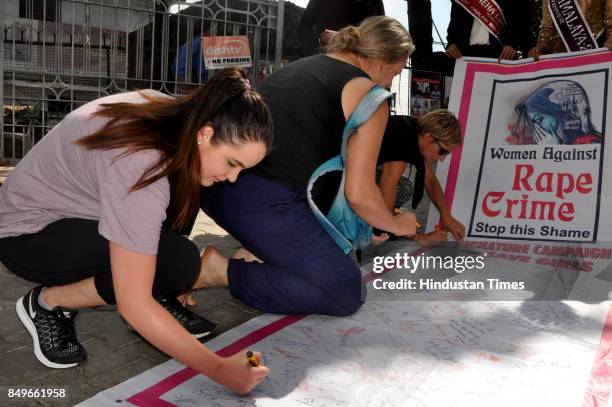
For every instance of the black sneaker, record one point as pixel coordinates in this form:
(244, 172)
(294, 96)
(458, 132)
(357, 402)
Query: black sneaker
(193, 323)
(54, 340)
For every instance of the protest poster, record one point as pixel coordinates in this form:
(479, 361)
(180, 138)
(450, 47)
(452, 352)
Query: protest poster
(425, 92)
(534, 158)
(531, 182)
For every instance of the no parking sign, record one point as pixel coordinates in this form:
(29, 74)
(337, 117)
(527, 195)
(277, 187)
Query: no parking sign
(224, 52)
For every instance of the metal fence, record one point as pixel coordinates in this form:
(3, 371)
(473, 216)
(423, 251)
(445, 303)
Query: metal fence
(57, 55)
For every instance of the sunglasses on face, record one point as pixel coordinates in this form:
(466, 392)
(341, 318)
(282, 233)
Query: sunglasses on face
(441, 150)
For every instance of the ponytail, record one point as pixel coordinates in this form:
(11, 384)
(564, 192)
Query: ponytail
(237, 113)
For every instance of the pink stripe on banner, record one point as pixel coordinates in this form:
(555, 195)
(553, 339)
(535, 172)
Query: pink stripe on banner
(151, 396)
(598, 388)
(491, 67)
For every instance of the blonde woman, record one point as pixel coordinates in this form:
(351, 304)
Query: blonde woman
(289, 264)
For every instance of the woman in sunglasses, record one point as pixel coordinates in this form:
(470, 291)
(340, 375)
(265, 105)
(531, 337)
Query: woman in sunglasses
(420, 143)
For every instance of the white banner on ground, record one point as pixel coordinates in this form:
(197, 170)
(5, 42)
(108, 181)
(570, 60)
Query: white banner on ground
(399, 353)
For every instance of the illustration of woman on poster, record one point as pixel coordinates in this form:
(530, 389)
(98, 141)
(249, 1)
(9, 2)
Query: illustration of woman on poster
(558, 112)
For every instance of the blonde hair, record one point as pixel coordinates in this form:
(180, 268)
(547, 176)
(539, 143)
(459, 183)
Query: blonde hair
(376, 37)
(444, 127)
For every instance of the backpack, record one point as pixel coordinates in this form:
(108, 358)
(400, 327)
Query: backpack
(343, 225)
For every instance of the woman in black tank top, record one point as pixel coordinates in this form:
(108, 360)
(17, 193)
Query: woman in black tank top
(288, 263)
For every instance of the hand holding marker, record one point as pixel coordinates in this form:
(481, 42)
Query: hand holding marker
(252, 359)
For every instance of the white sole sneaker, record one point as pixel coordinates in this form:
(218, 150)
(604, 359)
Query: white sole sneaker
(29, 326)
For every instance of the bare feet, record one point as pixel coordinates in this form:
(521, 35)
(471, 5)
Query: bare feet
(244, 254)
(213, 269)
(188, 299)
(377, 240)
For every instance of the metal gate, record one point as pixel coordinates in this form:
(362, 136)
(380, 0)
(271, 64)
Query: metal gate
(57, 55)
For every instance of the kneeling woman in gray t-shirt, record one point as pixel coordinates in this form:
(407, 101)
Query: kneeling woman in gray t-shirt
(89, 214)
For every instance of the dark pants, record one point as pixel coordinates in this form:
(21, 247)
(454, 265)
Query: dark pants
(304, 271)
(440, 62)
(483, 51)
(71, 250)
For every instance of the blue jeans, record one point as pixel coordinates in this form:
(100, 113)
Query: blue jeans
(303, 270)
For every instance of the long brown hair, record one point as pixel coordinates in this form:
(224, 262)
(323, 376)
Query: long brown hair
(170, 125)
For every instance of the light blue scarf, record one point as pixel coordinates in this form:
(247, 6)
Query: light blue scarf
(344, 226)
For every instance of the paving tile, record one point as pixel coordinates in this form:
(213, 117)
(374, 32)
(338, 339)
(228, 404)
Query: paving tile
(244, 308)
(144, 350)
(103, 360)
(14, 343)
(229, 314)
(210, 299)
(31, 402)
(11, 327)
(227, 245)
(23, 366)
(105, 326)
(11, 286)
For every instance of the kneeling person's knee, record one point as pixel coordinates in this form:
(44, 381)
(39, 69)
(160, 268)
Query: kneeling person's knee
(343, 296)
(347, 301)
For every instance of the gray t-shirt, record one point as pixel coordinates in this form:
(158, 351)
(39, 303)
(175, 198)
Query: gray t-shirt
(59, 179)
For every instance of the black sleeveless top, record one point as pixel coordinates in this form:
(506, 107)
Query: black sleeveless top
(401, 143)
(305, 100)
